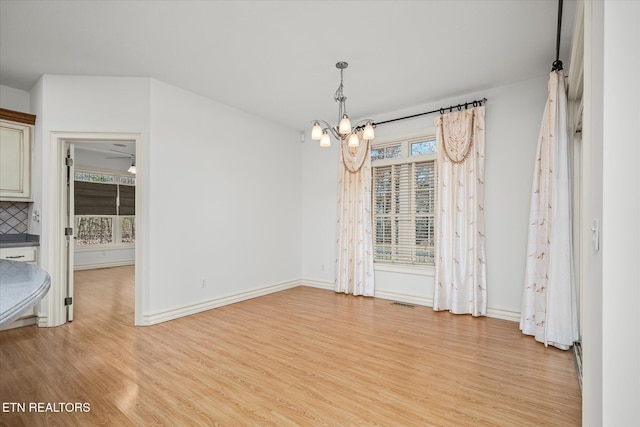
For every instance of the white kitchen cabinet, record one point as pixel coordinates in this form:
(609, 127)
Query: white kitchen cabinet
(16, 139)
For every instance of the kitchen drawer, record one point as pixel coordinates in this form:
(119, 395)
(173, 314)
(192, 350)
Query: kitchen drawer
(25, 254)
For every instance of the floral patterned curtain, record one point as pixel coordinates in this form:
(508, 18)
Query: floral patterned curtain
(355, 236)
(460, 284)
(549, 301)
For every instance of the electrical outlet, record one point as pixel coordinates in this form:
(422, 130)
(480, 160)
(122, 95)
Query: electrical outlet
(203, 283)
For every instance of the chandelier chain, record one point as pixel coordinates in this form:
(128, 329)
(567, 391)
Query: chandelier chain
(340, 98)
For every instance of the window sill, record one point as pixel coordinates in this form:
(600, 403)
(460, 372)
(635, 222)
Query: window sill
(406, 269)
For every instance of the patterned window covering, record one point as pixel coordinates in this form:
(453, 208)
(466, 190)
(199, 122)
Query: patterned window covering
(354, 263)
(460, 277)
(549, 307)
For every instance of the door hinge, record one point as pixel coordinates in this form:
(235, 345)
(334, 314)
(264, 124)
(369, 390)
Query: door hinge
(68, 161)
(68, 301)
(68, 231)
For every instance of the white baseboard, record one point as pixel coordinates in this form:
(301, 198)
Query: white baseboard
(321, 284)
(411, 299)
(24, 321)
(103, 265)
(43, 321)
(175, 313)
(496, 313)
(499, 313)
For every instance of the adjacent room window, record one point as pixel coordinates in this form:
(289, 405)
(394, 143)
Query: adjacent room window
(104, 205)
(404, 201)
(94, 230)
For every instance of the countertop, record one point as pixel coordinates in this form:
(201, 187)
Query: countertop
(21, 286)
(19, 240)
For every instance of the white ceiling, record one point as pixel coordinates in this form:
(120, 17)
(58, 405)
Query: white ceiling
(108, 149)
(276, 59)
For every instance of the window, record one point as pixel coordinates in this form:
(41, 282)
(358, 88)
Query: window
(104, 205)
(404, 201)
(128, 229)
(94, 230)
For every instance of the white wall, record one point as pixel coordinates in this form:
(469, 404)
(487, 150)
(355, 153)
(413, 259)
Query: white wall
(513, 117)
(225, 197)
(76, 104)
(611, 133)
(591, 317)
(222, 192)
(84, 104)
(103, 258)
(621, 215)
(14, 99)
(36, 103)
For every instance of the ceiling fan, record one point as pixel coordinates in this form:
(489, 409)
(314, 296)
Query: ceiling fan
(132, 157)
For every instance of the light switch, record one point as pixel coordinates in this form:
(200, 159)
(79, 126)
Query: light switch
(595, 234)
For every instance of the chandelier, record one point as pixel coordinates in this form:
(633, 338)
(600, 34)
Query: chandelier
(344, 130)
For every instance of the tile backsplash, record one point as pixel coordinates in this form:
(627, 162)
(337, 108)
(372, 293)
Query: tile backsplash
(14, 217)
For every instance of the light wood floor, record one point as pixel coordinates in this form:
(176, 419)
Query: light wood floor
(299, 357)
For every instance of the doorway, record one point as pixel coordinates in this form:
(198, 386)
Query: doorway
(101, 195)
(97, 146)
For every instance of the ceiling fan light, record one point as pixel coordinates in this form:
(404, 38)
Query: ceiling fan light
(132, 168)
(325, 140)
(368, 132)
(316, 132)
(353, 140)
(345, 125)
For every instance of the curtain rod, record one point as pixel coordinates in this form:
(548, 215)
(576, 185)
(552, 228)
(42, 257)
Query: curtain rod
(557, 64)
(476, 103)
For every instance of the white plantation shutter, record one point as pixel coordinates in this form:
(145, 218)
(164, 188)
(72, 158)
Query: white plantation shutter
(424, 208)
(404, 199)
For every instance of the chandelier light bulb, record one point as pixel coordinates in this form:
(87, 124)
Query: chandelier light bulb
(325, 140)
(345, 125)
(316, 132)
(353, 140)
(368, 132)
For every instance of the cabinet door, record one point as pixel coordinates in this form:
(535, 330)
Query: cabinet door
(15, 160)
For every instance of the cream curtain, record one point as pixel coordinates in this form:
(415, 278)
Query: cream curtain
(549, 301)
(460, 284)
(354, 264)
